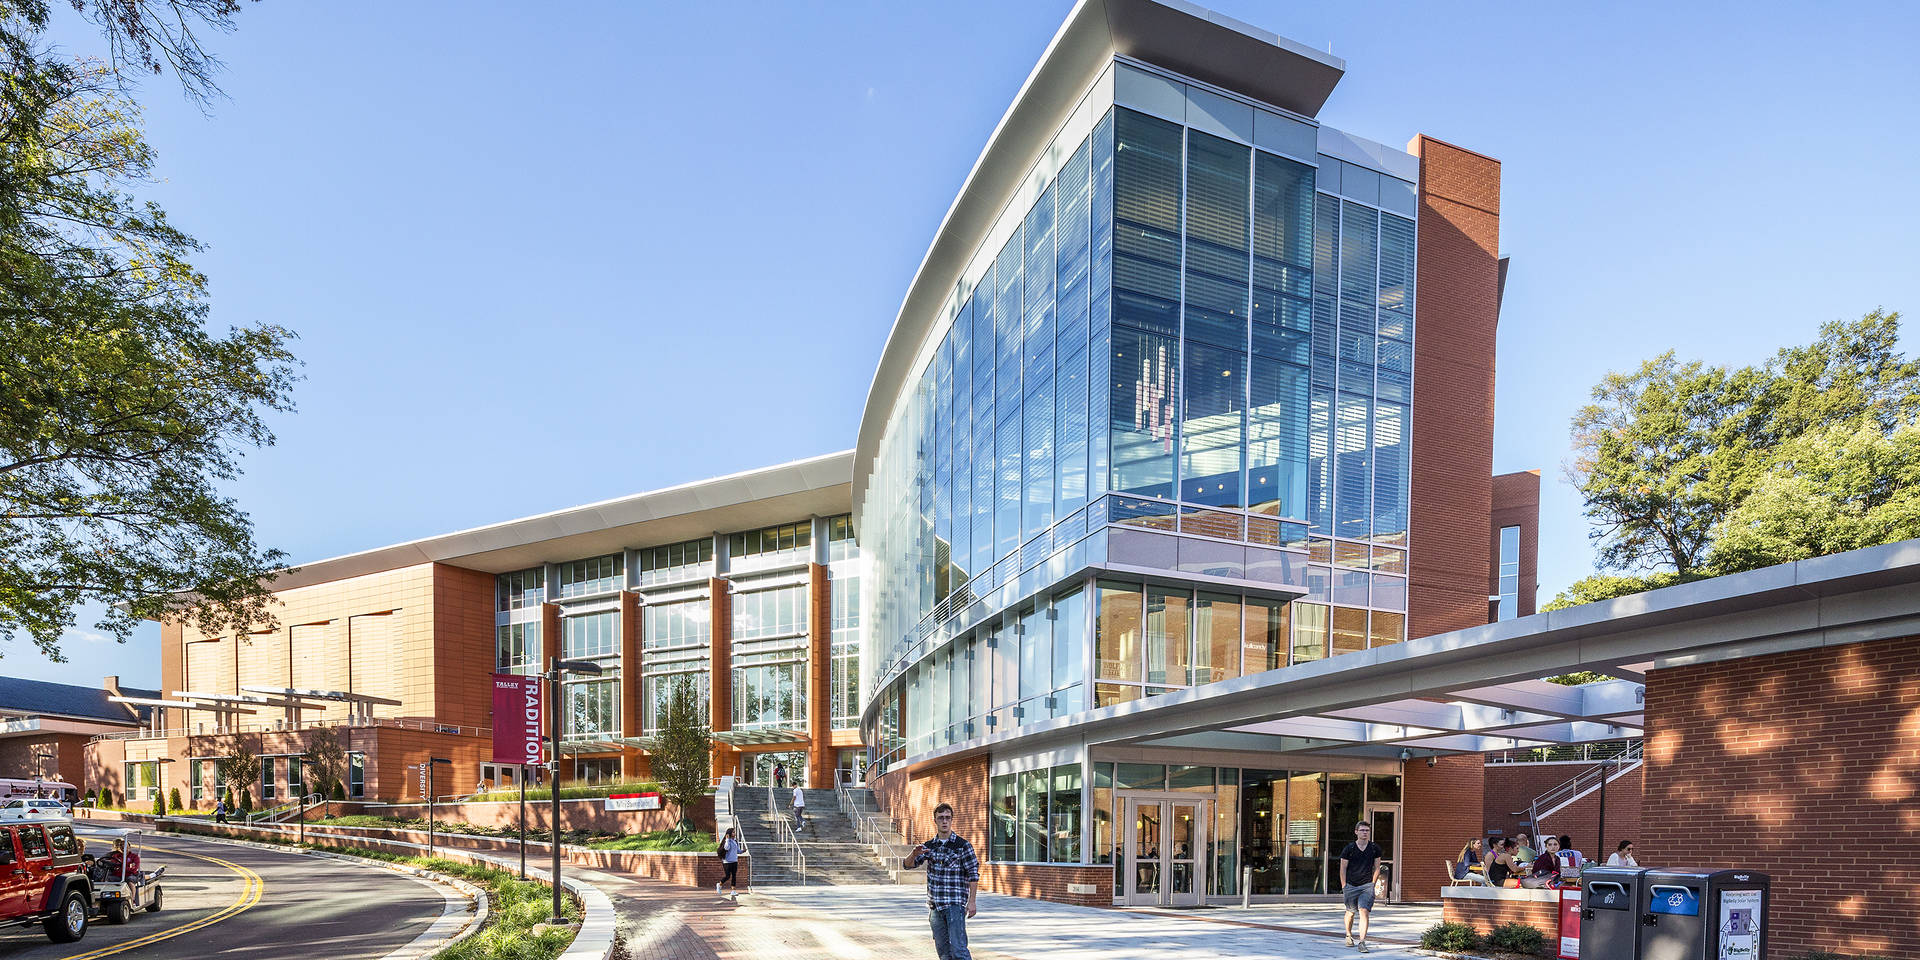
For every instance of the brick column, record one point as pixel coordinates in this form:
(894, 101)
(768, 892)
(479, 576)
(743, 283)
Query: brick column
(819, 677)
(1457, 308)
(630, 712)
(721, 682)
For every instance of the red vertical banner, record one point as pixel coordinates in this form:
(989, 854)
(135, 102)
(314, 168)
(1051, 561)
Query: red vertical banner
(516, 719)
(1569, 923)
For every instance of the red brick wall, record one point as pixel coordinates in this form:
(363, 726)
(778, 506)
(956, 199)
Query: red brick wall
(820, 755)
(574, 814)
(1050, 882)
(1484, 915)
(1441, 807)
(1511, 786)
(1804, 765)
(68, 751)
(1456, 312)
(1516, 503)
(910, 802)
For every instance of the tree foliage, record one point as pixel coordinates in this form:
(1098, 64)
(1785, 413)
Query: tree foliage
(120, 410)
(327, 760)
(237, 763)
(1691, 471)
(682, 761)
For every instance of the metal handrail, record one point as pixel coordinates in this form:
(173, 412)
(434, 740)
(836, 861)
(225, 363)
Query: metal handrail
(784, 837)
(278, 813)
(1589, 752)
(1610, 768)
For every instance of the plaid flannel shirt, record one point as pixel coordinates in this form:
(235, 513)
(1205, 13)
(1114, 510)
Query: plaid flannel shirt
(951, 866)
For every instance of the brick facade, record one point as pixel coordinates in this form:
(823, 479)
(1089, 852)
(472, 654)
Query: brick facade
(1045, 881)
(819, 676)
(1516, 503)
(1457, 309)
(1804, 765)
(910, 798)
(1485, 909)
(67, 750)
(1511, 786)
(1440, 811)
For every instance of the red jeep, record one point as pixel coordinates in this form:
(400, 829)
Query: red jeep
(41, 879)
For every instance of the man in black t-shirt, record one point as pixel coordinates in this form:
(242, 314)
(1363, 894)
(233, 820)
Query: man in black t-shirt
(1360, 869)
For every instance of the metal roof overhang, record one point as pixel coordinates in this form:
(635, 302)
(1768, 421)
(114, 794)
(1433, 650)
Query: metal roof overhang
(1478, 690)
(759, 737)
(1179, 36)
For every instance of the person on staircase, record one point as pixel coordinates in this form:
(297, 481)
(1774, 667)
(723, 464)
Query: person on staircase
(799, 806)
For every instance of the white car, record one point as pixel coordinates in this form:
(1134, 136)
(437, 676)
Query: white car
(25, 808)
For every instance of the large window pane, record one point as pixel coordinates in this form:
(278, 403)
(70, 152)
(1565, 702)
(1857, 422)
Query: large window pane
(1216, 638)
(1309, 632)
(1145, 387)
(1212, 428)
(1069, 639)
(1032, 838)
(1349, 630)
(1167, 632)
(1063, 817)
(1267, 635)
(1003, 818)
(1307, 833)
(1117, 633)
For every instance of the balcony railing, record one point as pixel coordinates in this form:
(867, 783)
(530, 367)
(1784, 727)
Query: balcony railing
(282, 726)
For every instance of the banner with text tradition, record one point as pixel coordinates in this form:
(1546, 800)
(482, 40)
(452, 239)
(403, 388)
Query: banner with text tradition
(516, 719)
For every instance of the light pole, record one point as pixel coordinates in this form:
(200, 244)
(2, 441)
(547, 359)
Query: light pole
(523, 820)
(431, 763)
(295, 770)
(38, 757)
(556, 669)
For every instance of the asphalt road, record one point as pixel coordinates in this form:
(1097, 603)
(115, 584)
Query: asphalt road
(243, 903)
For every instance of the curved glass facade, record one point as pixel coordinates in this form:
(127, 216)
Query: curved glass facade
(1158, 439)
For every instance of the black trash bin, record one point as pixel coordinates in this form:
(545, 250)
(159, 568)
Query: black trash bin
(1702, 914)
(1610, 913)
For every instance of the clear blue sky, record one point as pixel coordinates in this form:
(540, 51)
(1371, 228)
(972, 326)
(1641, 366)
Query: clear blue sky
(540, 255)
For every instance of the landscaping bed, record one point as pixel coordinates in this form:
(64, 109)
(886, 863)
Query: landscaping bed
(659, 840)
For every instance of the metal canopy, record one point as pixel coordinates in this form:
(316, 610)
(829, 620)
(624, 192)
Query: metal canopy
(180, 704)
(759, 737)
(335, 696)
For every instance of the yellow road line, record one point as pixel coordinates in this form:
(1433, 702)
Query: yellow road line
(248, 897)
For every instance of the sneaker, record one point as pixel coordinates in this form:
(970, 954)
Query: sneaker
(716, 889)
(1362, 945)
(1349, 939)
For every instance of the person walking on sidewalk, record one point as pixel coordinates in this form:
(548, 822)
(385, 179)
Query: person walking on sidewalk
(730, 863)
(953, 884)
(1361, 868)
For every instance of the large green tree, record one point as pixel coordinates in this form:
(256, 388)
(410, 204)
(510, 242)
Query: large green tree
(683, 758)
(1690, 470)
(121, 409)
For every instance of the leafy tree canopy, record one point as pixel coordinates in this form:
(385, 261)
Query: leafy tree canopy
(1691, 471)
(121, 411)
(682, 760)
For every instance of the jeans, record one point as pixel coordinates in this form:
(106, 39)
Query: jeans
(949, 923)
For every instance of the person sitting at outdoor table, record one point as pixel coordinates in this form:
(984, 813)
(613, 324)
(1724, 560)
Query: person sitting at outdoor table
(1545, 871)
(1571, 860)
(1468, 861)
(1623, 855)
(1501, 870)
(1526, 853)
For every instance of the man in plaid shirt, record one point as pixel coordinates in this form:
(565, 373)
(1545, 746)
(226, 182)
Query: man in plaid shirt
(953, 884)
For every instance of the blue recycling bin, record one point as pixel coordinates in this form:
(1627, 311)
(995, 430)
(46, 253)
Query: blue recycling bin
(1702, 914)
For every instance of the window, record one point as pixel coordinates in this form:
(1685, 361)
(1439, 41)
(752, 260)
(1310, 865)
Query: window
(296, 776)
(593, 710)
(677, 561)
(269, 778)
(686, 623)
(586, 577)
(33, 843)
(770, 613)
(772, 546)
(356, 775)
(517, 648)
(1509, 586)
(198, 789)
(596, 770)
(770, 695)
(1035, 815)
(590, 635)
(522, 589)
(845, 679)
(840, 540)
(660, 683)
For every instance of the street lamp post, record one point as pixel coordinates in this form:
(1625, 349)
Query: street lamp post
(556, 669)
(296, 770)
(523, 820)
(38, 773)
(431, 763)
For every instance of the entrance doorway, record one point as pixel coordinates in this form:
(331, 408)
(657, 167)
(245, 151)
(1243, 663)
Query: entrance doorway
(1385, 818)
(1165, 849)
(757, 768)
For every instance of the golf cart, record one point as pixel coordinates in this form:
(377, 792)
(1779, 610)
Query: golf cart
(119, 885)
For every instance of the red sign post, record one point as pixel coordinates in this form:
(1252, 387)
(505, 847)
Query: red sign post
(516, 719)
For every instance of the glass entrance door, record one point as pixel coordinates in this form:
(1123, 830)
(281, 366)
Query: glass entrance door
(1385, 818)
(1165, 850)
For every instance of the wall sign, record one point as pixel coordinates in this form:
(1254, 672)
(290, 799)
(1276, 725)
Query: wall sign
(633, 801)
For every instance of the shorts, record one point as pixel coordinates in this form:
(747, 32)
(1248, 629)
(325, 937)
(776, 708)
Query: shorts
(1359, 897)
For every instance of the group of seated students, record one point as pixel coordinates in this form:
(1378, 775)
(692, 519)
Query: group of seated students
(1512, 861)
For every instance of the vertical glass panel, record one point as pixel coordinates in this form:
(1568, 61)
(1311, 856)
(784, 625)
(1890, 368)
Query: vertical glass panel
(1306, 833)
(1070, 431)
(1006, 668)
(1063, 815)
(1147, 215)
(1343, 811)
(1277, 424)
(1216, 638)
(1359, 230)
(1396, 263)
(1319, 461)
(1032, 830)
(1145, 384)
(1117, 632)
(1309, 632)
(1167, 633)
(1353, 474)
(1212, 428)
(1037, 510)
(1004, 818)
(1387, 628)
(1103, 835)
(1267, 638)
(1392, 449)
(1349, 630)
(1036, 653)
(1006, 520)
(1100, 305)
(1147, 843)
(1263, 806)
(1224, 834)
(1069, 639)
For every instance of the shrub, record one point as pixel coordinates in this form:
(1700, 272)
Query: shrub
(228, 797)
(1450, 938)
(159, 804)
(173, 799)
(105, 798)
(1516, 938)
(339, 792)
(246, 800)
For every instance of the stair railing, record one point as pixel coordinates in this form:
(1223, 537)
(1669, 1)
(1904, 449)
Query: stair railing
(1556, 799)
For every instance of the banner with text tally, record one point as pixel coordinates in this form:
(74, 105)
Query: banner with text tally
(516, 719)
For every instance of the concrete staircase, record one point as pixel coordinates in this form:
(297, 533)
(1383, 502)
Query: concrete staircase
(834, 854)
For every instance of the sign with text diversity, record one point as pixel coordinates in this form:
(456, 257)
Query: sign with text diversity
(516, 719)
(633, 801)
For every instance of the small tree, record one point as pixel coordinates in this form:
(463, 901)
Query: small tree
(237, 765)
(104, 798)
(159, 804)
(227, 795)
(339, 790)
(173, 800)
(326, 760)
(681, 763)
(246, 800)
